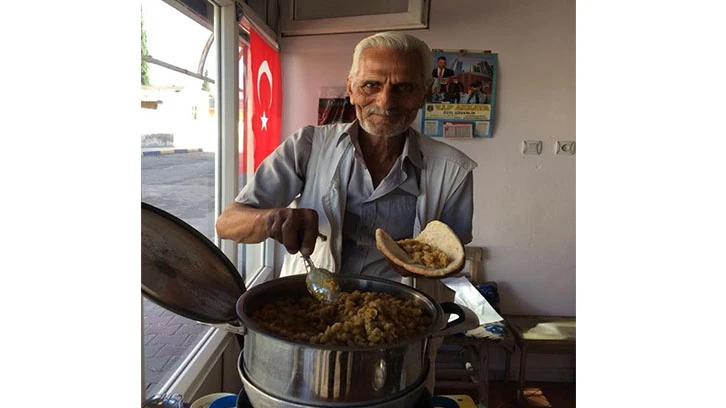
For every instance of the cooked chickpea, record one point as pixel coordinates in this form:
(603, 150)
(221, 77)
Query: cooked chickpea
(359, 318)
(424, 254)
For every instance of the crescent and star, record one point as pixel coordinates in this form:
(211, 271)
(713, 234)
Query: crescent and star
(264, 70)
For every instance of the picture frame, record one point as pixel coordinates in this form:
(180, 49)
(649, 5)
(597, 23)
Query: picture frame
(461, 101)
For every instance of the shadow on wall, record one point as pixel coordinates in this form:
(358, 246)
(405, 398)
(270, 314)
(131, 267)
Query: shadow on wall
(508, 297)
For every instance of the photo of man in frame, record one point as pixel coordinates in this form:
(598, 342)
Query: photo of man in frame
(462, 77)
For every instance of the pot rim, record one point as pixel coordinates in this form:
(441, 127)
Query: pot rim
(436, 324)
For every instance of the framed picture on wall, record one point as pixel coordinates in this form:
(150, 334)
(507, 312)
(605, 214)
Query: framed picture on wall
(460, 103)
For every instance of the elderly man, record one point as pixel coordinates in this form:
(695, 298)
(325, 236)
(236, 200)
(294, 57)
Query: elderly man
(346, 180)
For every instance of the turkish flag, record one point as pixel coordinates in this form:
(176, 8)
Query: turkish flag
(267, 97)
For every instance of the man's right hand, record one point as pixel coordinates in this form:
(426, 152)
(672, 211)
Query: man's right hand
(295, 228)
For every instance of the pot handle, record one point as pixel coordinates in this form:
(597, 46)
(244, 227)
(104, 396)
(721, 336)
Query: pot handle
(465, 321)
(236, 329)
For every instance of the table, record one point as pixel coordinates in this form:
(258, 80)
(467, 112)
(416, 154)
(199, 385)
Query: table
(541, 334)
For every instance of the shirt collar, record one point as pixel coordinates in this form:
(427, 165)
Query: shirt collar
(350, 131)
(411, 149)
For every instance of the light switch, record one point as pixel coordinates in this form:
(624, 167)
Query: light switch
(565, 147)
(532, 147)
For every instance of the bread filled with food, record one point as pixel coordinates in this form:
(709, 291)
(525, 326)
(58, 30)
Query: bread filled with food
(435, 252)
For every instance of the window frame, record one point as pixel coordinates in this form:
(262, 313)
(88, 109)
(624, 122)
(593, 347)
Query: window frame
(193, 370)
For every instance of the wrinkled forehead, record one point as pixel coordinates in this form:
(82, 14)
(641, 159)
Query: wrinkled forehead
(381, 63)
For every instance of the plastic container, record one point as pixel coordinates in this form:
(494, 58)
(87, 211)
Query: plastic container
(208, 400)
(230, 401)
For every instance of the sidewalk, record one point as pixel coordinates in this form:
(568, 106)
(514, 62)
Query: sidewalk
(168, 339)
(153, 151)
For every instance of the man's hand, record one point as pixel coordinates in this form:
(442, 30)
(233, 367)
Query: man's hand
(401, 271)
(295, 228)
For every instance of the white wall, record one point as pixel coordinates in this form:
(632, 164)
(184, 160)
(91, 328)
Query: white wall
(524, 205)
(174, 116)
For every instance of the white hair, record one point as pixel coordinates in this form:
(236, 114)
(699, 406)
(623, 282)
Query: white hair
(398, 41)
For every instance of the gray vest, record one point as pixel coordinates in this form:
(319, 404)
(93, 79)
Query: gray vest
(327, 175)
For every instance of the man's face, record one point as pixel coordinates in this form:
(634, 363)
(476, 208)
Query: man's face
(442, 63)
(388, 91)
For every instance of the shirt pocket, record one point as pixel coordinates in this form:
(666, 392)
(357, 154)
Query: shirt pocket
(397, 214)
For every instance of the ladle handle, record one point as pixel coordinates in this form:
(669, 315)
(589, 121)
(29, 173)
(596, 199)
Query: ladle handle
(309, 267)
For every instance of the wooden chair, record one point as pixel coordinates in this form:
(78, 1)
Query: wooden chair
(462, 362)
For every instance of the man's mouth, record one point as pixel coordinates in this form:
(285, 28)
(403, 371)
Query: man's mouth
(383, 112)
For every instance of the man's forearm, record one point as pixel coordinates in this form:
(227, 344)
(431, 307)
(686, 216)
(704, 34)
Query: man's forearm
(243, 224)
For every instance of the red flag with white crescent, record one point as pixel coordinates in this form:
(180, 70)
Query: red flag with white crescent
(266, 95)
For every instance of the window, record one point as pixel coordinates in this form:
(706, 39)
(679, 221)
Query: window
(184, 136)
(180, 183)
(250, 256)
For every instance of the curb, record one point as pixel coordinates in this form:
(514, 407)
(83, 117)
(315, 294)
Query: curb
(168, 151)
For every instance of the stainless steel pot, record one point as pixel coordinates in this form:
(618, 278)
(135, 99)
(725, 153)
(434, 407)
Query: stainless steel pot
(184, 272)
(260, 399)
(304, 373)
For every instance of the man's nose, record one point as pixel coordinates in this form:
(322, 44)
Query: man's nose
(388, 97)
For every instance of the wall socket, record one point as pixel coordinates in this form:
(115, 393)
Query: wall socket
(532, 147)
(566, 147)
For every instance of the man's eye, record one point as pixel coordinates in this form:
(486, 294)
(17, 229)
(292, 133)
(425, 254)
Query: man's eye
(406, 87)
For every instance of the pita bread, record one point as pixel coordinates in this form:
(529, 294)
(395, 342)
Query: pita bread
(436, 234)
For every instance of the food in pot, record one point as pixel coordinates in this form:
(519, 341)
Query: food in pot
(424, 254)
(357, 319)
(437, 235)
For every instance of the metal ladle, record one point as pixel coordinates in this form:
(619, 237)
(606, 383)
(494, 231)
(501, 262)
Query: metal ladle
(321, 282)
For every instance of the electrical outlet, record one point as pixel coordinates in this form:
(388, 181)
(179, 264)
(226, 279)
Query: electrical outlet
(532, 147)
(565, 147)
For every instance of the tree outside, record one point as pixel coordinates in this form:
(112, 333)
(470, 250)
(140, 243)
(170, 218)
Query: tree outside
(144, 51)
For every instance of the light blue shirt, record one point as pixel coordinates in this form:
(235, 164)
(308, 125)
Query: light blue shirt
(322, 168)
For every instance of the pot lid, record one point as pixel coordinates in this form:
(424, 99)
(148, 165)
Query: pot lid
(183, 271)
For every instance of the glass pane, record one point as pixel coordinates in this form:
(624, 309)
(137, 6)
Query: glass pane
(178, 141)
(172, 36)
(249, 258)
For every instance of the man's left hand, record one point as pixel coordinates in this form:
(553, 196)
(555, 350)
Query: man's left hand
(405, 273)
